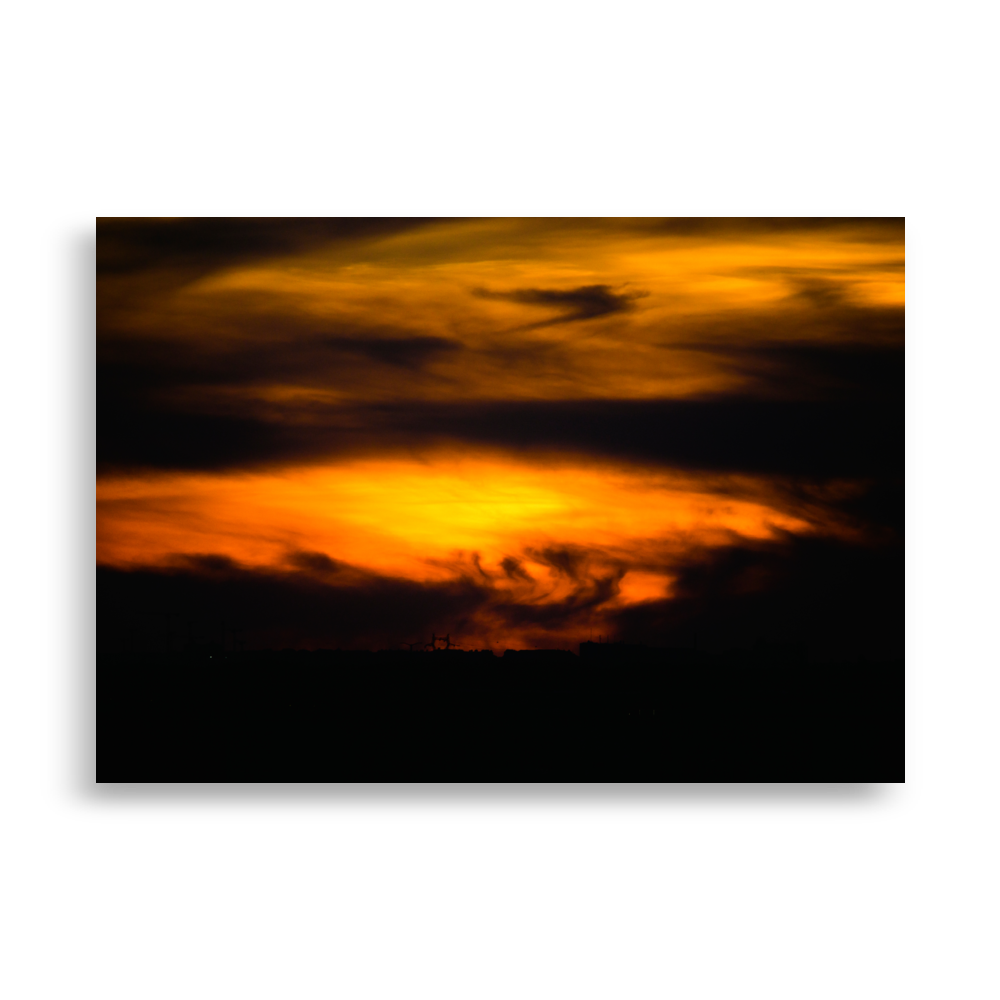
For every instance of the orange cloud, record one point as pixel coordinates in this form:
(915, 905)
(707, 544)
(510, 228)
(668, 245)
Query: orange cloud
(432, 518)
(490, 288)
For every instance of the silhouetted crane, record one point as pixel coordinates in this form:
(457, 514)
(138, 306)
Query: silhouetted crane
(446, 639)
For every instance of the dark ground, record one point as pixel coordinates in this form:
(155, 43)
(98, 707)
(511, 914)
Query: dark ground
(611, 714)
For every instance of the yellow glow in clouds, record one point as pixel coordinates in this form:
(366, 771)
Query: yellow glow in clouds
(428, 520)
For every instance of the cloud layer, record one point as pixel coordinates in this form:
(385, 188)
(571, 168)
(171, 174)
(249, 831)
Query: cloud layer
(757, 362)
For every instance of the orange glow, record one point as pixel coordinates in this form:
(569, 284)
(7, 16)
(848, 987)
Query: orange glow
(430, 282)
(424, 520)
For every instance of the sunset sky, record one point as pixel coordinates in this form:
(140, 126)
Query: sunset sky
(522, 432)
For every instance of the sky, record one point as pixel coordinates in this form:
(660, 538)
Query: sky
(354, 433)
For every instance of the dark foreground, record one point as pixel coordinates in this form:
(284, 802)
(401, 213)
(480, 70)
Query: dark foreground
(616, 716)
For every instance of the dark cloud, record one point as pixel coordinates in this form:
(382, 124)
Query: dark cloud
(846, 372)
(557, 617)
(514, 570)
(832, 438)
(822, 293)
(412, 353)
(213, 565)
(316, 562)
(586, 302)
(126, 246)
(305, 605)
(840, 600)
(567, 560)
(145, 403)
(134, 436)
(283, 349)
(744, 435)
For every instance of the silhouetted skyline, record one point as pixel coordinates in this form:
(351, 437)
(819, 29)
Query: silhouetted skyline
(615, 712)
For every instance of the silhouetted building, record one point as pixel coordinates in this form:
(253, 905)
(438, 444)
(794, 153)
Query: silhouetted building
(625, 652)
(604, 649)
